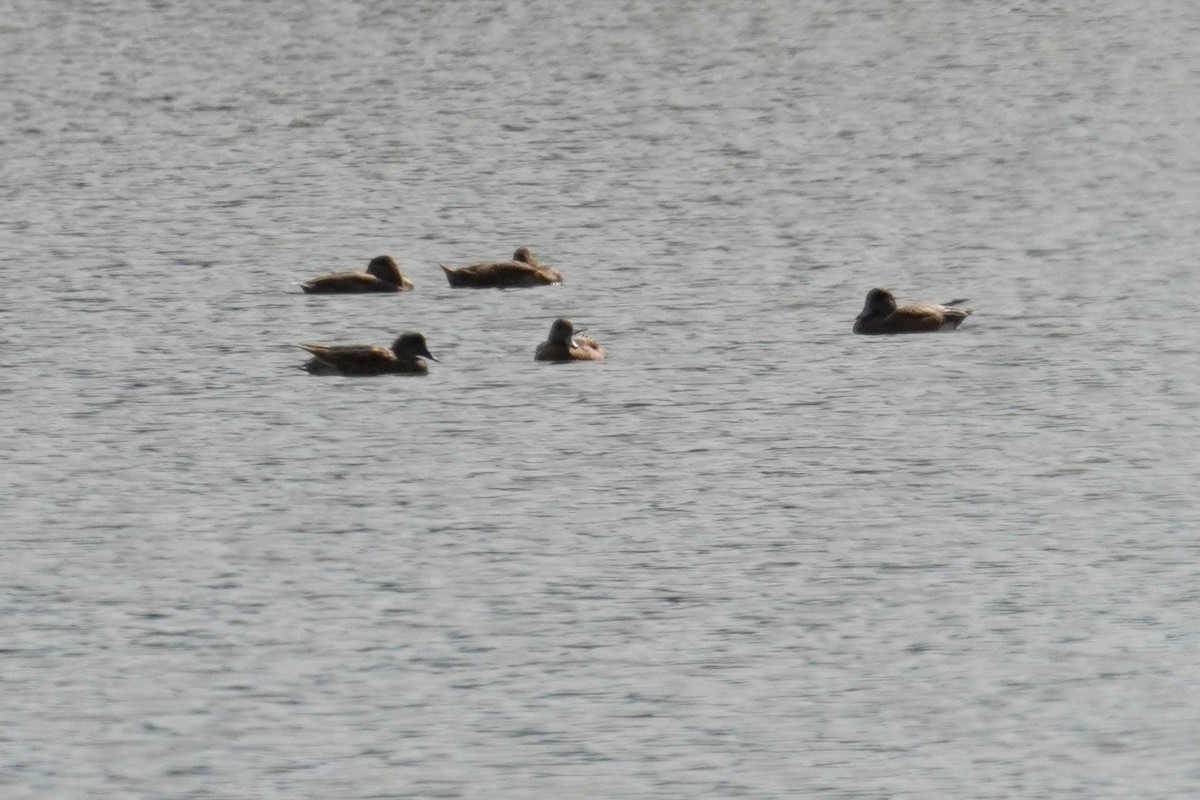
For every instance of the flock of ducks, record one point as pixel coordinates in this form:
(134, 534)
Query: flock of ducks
(880, 315)
(407, 354)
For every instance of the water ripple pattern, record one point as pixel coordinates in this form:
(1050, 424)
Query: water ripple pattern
(749, 555)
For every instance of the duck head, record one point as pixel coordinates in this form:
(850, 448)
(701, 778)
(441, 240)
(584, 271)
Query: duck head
(525, 256)
(880, 303)
(562, 332)
(386, 269)
(412, 344)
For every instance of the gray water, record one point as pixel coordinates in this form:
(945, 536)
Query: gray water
(748, 556)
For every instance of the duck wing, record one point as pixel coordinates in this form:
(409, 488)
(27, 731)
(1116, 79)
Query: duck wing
(348, 283)
(502, 274)
(354, 357)
(588, 349)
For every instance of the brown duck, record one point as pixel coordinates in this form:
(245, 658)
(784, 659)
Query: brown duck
(521, 270)
(564, 344)
(370, 359)
(880, 315)
(382, 275)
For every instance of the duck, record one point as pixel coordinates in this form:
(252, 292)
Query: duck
(564, 344)
(881, 316)
(382, 275)
(519, 271)
(361, 360)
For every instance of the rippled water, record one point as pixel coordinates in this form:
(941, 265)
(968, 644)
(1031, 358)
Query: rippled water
(748, 556)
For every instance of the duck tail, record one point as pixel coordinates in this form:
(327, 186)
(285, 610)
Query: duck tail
(451, 276)
(953, 315)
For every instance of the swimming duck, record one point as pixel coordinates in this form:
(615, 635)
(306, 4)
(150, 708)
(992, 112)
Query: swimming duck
(564, 345)
(880, 315)
(521, 270)
(370, 359)
(382, 275)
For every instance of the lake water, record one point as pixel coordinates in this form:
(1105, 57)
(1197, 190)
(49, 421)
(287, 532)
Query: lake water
(751, 555)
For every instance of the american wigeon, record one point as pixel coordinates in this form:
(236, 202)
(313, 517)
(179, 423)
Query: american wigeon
(564, 344)
(370, 359)
(382, 275)
(521, 270)
(880, 315)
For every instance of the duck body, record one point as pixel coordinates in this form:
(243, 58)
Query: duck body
(522, 270)
(362, 360)
(880, 315)
(382, 275)
(564, 344)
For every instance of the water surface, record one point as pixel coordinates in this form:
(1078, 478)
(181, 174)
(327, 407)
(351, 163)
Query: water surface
(748, 556)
